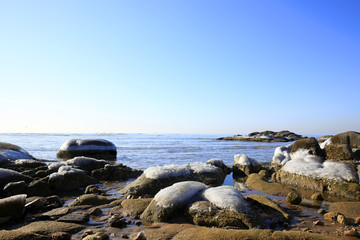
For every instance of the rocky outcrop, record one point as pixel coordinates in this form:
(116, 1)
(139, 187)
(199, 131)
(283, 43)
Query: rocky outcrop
(339, 152)
(94, 148)
(266, 136)
(309, 144)
(155, 178)
(351, 137)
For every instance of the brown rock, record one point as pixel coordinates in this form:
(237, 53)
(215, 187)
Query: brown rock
(331, 216)
(310, 144)
(60, 236)
(351, 233)
(321, 211)
(339, 152)
(140, 236)
(353, 138)
(357, 221)
(318, 223)
(317, 197)
(135, 207)
(294, 198)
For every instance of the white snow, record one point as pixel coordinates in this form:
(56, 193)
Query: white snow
(242, 159)
(178, 194)
(203, 168)
(26, 161)
(14, 154)
(82, 145)
(306, 164)
(282, 154)
(326, 142)
(216, 162)
(227, 197)
(159, 172)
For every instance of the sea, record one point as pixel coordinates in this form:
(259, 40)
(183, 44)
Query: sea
(140, 151)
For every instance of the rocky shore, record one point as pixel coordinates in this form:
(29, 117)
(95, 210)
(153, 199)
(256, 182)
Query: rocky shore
(265, 136)
(310, 191)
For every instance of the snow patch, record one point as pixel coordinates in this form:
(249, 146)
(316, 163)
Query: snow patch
(306, 164)
(242, 159)
(227, 197)
(325, 143)
(178, 194)
(167, 171)
(203, 168)
(63, 171)
(14, 154)
(282, 154)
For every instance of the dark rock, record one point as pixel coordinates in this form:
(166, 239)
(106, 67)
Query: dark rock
(95, 212)
(353, 138)
(39, 187)
(117, 221)
(97, 236)
(86, 163)
(75, 217)
(318, 223)
(317, 197)
(14, 188)
(115, 172)
(94, 148)
(339, 152)
(35, 203)
(93, 189)
(11, 152)
(61, 236)
(91, 199)
(266, 136)
(309, 144)
(57, 212)
(7, 176)
(13, 206)
(294, 198)
(135, 207)
(244, 166)
(351, 233)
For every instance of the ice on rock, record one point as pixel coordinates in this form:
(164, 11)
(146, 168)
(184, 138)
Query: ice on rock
(216, 162)
(325, 143)
(64, 170)
(227, 197)
(160, 172)
(55, 166)
(178, 194)
(282, 154)
(244, 160)
(304, 163)
(203, 168)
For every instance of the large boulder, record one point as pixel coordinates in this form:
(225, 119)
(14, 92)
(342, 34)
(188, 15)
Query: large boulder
(68, 178)
(95, 148)
(155, 178)
(266, 136)
(7, 176)
(339, 152)
(13, 206)
(172, 199)
(11, 152)
(244, 166)
(309, 144)
(353, 138)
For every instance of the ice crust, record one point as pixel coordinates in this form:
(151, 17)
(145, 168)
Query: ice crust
(63, 171)
(306, 164)
(83, 161)
(227, 197)
(326, 142)
(14, 154)
(167, 171)
(178, 194)
(282, 154)
(84, 145)
(244, 160)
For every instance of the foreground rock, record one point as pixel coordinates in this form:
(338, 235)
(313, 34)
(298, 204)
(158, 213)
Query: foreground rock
(244, 166)
(40, 230)
(94, 148)
(8, 176)
(13, 206)
(266, 136)
(155, 178)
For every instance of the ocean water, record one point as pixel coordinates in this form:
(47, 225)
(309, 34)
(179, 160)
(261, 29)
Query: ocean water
(141, 151)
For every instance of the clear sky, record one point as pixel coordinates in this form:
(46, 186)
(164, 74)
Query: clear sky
(186, 66)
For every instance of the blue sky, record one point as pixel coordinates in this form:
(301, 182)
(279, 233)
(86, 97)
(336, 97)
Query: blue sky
(180, 66)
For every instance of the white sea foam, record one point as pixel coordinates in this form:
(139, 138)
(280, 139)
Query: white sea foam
(306, 164)
(178, 194)
(227, 197)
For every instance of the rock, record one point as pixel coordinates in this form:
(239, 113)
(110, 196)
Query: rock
(321, 211)
(96, 212)
(115, 172)
(317, 197)
(28, 163)
(171, 199)
(35, 203)
(294, 198)
(324, 138)
(351, 233)
(266, 136)
(68, 178)
(341, 219)
(140, 236)
(331, 216)
(13, 206)
(11, 152)
(93, 189)
(135, 207)
(117, 221)
(353, 138)
(8, 176)
(57, 212)
(39, 230)
(244, 166)
(94, 148)
(268, 206)
(86, 163)
(155, 178)
(14, 188)
(60, 236)
(97, 236)
(39, 187)
(75, 217)
(318, 223)
(255, 182)
(339, 152)
(309, 144)
(220, 164)
(91, 199)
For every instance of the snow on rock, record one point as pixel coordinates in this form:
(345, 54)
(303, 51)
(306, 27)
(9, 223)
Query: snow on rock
(55, 166)
(227, 197)
(304, 163)
(167, 171)
(216, 162)
(178, 194)
(244, 160)
(87, 144)
(203, 168)
(282, 154)
(325, 143)
(63, 171)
